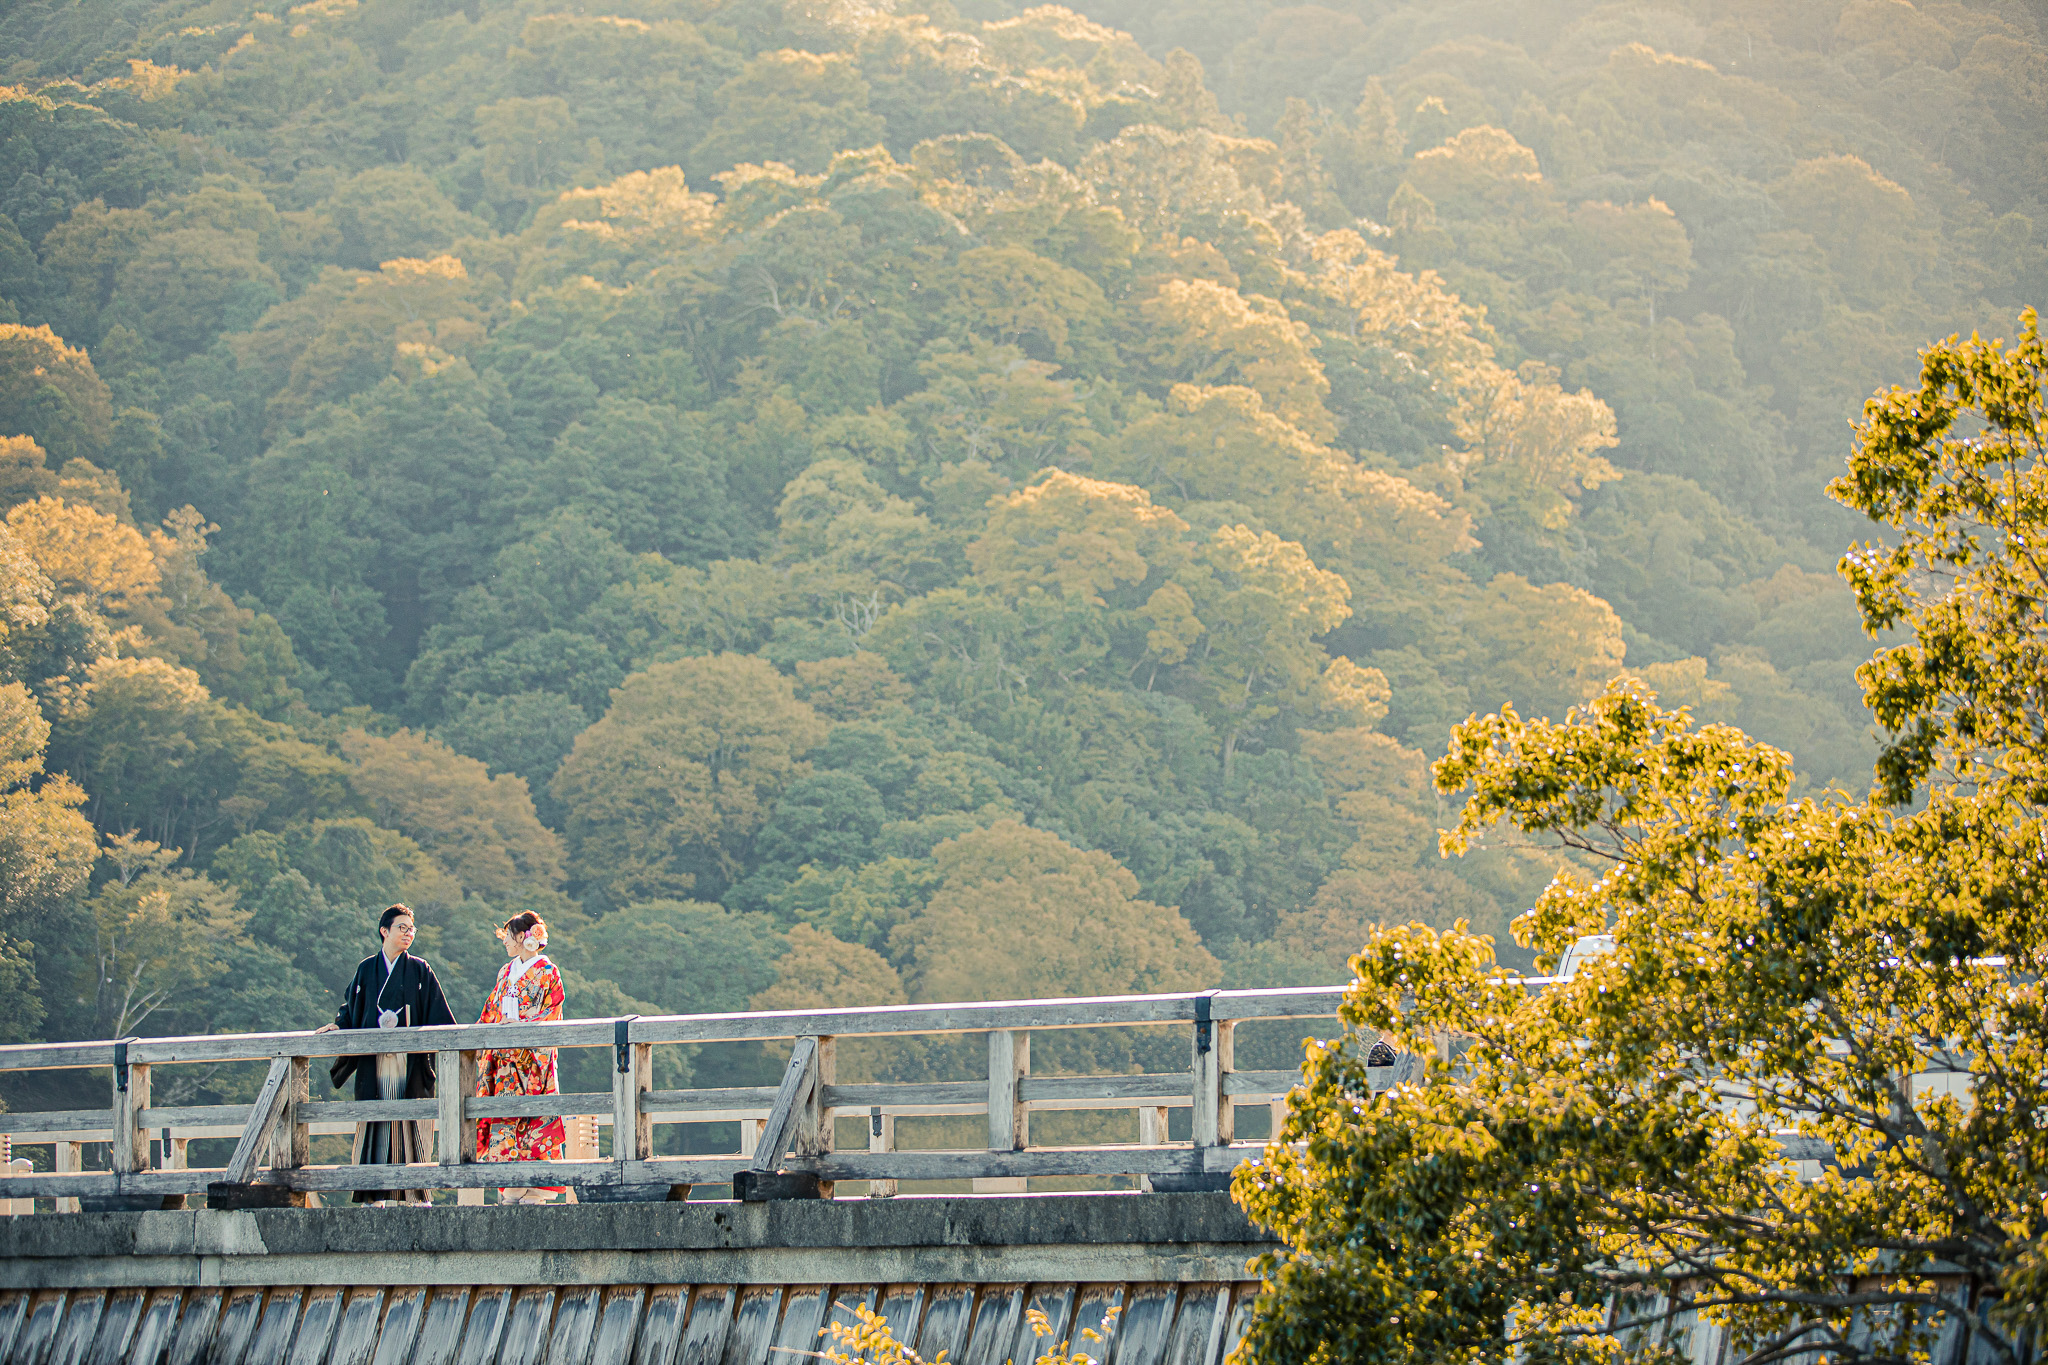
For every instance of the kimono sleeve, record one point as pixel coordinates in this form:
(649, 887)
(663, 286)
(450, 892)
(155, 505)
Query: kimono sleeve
(433, 1003)
(350, 1015)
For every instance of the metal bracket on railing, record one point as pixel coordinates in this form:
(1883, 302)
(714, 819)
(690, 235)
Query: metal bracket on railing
(875, 1120)
(622, 1041)
(1204, 1028)
(121, 1065)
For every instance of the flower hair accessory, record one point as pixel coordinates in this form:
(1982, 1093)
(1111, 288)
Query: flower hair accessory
(534, 939)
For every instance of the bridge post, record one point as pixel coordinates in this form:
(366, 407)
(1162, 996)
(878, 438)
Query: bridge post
(69, 1159)
(455, 1081)
(294, 1136)
(1009, 1122)
(131, 1097)
(632, 1125)
(1152, 1132)
(881, 1138)
(1215, 1116)
(814, 1133)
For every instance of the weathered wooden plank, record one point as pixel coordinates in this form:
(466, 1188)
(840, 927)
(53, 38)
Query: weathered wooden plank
(632, 1125)
(193, 1341)
(816, 1134)
(440, 1331)
(1056, 1302)
(575, 1326)
(293, 1147)
(1155, 1085)
(275, 1328)
(1240, 1318)
(355, 1335)
(371, 1111)
(537, 1106)
(81, 1322)
(962, 1096)
(240, 1317)
(317, 1324)
(117, 1328)
(797, 1080)
(948, 1313)
(1097, 1309)
(845, 1300)
(702, 1341)
(405, 1309)
(193, 1116)
(13, 1311)
(1042, 1161)
(1009, 1062)
(55, 1056)
(661, 1325)
(45, 1317)
(1199, 1325)
(58, 1121)
(1214, 1117)
(239, 1047)
(902, 1307)
(1261, 1083)
(454, 1083)
(488, 1310)
(998, 1314)
(155, 1331)
(753, 1326)
(803, 1318)
(1317, 1002)
(712, 1098)
(1142, 1330)
(618, 1322)
(895, 1019)
(131, 1092)
(263, 1117)
(526, 1326)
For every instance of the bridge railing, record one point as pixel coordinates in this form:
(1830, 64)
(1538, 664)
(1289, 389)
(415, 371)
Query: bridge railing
(788, 1146)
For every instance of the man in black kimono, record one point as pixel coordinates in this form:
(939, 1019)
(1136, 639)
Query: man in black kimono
(391, 989)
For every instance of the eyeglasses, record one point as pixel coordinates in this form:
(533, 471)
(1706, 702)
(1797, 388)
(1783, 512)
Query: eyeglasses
(401, 927)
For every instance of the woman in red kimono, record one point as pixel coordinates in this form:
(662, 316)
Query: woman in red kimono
(528, 989)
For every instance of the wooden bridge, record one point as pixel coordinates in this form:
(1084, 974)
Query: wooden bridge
(639, 1272)
(787, 1149)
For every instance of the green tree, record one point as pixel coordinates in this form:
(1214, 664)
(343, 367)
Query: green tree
(1861, 974)
(164, 935)
(47, 851)
(1019, 913)
(667, 788)
(684, 956)
(481, 828)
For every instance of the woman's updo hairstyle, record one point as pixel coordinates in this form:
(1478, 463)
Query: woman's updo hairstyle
(530, 929)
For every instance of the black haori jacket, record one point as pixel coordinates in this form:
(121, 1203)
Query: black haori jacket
(410, 988)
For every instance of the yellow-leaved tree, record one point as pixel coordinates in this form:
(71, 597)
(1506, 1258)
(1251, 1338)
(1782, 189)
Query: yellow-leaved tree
(481, 828)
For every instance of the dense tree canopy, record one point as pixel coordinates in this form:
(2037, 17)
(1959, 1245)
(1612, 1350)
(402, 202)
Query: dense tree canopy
(770, 476)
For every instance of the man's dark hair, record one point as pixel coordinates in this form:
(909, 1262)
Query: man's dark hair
(384, 920)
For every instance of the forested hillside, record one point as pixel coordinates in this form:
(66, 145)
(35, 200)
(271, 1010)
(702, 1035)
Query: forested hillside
(834, 503)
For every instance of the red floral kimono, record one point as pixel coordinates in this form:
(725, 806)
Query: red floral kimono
(520, 1070)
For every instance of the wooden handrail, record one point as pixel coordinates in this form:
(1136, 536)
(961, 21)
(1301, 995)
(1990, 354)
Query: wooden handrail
(798, 1137)
(751, 1026)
